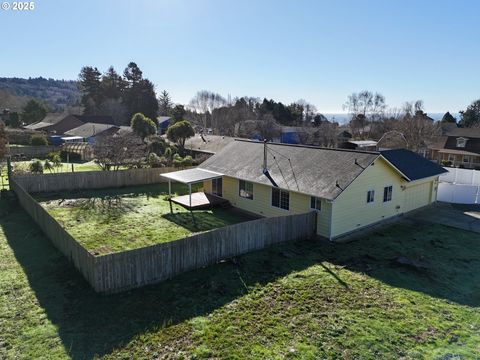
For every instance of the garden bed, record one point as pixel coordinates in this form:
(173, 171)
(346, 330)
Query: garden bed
(113, 220)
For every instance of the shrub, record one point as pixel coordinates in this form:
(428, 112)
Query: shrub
(36, 167)
(20, 136)
(154, 160)
(38, 140)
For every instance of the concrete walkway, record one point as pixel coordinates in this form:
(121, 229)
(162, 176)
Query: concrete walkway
(465, 217)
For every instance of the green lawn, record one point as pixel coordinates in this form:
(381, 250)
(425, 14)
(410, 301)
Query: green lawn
(66, 167)
(305, 300)
(106, 221)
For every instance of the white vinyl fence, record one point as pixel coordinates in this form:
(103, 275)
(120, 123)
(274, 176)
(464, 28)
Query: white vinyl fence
(459, 186)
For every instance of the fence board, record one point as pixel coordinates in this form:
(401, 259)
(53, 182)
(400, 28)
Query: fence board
(63, 241)
(90, 179)
(138, 267)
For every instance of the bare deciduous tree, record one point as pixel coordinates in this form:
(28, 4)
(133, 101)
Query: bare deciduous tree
(365, 107)
(112, 152)
(204, 102)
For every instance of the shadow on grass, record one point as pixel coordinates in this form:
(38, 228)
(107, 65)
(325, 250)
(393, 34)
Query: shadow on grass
(90, 324)
(154, 191)
(204, 220)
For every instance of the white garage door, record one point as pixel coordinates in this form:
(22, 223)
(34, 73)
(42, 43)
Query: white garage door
(417, 196)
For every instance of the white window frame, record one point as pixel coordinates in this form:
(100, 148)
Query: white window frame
(391, 193)
(461, 142)
(466, 157)
(318, 203)
(240, 190)
(279, 199)
(368, 196)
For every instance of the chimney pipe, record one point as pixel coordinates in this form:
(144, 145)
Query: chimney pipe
(265, 170)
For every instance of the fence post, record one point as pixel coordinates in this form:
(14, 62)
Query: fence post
(9, 168)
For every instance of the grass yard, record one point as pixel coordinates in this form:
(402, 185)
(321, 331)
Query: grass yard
(106, 221)
(66, 167)
(305, 300)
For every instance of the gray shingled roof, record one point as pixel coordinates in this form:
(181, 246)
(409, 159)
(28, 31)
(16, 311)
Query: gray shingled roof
(320, 172)
(89, 129)
(207, 143)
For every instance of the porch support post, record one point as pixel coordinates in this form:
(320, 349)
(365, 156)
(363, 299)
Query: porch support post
(190, 195)
(170, 195)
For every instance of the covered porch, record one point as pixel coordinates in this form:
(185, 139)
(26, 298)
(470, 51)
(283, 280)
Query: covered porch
(197, 200)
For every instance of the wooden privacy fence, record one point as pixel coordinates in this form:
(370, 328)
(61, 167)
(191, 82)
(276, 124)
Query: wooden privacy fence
(138, 267)
(134, 268)
(63, 241)
(90, 179)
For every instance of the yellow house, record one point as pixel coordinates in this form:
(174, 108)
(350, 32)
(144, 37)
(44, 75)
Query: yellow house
(349, 189)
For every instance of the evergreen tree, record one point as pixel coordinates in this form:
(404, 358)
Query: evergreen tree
(448, 118)
(143, 126)
(90, 86)
(112, 84)
(139, 95)
(165, 103)
(33, 111)
(179, 133)
(471, 116)
(178, 113)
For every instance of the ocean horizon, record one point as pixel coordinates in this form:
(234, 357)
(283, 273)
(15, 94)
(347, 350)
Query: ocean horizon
(343, 118)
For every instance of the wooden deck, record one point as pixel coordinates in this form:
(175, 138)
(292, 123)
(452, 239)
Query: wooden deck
(200, 200)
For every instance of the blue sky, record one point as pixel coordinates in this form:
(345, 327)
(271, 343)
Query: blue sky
(320, 51)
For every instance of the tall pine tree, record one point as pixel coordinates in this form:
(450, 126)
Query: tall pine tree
(165, 103)
(90, 86)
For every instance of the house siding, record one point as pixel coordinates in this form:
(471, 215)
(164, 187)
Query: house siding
(261, 203)
(351, 210)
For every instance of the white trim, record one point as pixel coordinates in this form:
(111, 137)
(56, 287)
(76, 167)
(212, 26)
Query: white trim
(238, 192)
(331, 222)
(280, 199)
(315, 208)
(401, 173)
(383, 195)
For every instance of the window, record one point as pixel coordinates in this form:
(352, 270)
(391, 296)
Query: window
(370, 196)
(466, 159)
(245, 189)
(315, 203)
(217, 187)
(461, 142)
(280, 199)
(387, 193)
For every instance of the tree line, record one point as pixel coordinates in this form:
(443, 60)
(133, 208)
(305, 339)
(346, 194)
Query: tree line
(120, 96)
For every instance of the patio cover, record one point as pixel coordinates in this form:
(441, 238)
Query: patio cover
(191, 176)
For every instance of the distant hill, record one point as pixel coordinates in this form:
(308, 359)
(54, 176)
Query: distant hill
(58, 94)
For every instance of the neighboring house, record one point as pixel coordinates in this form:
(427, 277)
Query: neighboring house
(367, 145)
(349, 189)
(459, 147)
(163, 122)
(343, 136)
(58, 125)
(90, 131)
